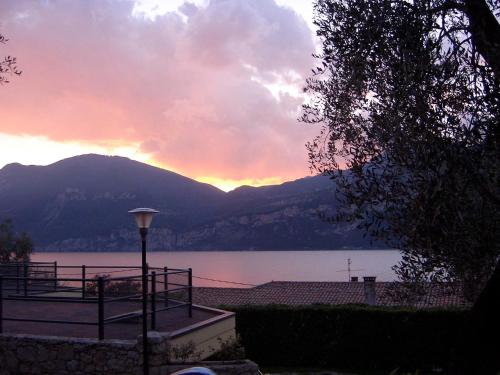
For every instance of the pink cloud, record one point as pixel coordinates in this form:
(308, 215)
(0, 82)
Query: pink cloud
(188, 91)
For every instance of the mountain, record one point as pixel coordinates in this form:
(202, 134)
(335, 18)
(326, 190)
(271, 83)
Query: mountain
(81, 204)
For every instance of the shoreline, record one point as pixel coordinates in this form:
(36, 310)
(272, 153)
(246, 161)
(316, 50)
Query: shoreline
(209, 251)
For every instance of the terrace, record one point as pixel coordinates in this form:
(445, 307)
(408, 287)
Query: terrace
(105, 302)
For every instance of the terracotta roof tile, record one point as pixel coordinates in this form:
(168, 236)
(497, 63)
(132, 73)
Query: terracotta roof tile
(307, 293)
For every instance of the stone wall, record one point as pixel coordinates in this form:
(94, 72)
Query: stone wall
(27, 354)
(44, 355)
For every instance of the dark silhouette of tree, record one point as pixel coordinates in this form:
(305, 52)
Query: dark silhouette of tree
(13, 247)
(407, 97)
(8, 66)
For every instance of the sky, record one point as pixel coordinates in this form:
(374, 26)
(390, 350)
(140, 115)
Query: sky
(210, 89)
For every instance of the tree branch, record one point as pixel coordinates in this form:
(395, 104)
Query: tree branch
(485, 31)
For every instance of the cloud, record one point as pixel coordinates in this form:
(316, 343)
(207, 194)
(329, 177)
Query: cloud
(191, 87)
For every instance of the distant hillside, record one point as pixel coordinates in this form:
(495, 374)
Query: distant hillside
(81, 204)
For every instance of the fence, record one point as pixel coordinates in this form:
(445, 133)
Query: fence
(120, 296)
(38, 272)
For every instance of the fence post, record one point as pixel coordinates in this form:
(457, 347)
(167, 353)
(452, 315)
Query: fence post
(100, 291)
(17, 275)
(165, 285)
(153, 300)
(25, 279)
(55, 275)
(1, 304)
(190, 292)
(84, 276)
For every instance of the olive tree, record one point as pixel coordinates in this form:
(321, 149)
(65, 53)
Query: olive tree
(406, 94)
(8, 65)
(13, 246)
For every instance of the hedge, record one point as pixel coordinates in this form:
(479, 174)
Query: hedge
(349, 337)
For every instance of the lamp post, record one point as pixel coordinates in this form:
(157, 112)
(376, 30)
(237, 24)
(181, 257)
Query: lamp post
(143, 218)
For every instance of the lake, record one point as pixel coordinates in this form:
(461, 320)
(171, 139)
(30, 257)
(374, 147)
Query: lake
(249, 267)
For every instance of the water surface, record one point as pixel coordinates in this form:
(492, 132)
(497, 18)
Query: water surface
(250, 267)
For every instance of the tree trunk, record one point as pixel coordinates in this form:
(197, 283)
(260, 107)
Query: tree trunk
(485, 32)
(479, 350)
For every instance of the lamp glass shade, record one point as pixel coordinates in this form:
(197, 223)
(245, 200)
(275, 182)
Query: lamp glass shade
(143, 216)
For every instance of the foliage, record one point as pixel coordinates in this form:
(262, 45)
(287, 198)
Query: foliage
(351, 337)
(8, 66)
(113, 288)
(230, 349)
(13, 246)
(407, 97)
(186, 352)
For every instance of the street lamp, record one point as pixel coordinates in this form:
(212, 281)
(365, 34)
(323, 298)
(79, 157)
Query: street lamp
(143, 218)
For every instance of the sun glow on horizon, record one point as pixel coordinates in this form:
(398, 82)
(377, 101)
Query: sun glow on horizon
(230, 184)
(39, 150)
(25, 149)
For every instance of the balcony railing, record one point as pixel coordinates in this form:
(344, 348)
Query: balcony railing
(49, 282)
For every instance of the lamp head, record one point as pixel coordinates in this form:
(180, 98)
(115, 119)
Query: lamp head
(143, 216)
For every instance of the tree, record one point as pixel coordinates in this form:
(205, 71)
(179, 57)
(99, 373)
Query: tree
(13, 247)
(8, 66)
(407, 97)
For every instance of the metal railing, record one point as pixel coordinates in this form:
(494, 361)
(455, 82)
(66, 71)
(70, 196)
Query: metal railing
(38, 271)
(168, 289)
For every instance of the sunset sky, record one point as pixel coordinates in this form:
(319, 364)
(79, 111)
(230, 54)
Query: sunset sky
(209, 89)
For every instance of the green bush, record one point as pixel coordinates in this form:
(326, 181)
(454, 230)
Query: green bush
(351, 337)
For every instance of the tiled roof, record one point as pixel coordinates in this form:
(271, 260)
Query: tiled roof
(306, 293)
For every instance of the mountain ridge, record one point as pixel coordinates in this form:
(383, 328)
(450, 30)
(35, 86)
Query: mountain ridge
(80, 204)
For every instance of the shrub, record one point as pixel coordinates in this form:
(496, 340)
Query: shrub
(349, 336)
(113, 288)
(229, 350)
